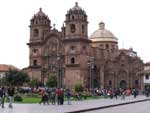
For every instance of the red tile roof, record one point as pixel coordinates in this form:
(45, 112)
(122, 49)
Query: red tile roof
(5, 68)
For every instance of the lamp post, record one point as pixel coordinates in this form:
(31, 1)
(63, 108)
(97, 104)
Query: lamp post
(58, 72)
(91, 64)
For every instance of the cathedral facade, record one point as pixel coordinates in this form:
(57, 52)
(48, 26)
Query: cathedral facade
(75, 58)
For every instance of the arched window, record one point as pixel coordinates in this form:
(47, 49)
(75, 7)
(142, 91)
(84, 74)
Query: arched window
(72, 28)
(34, 62)
(72, 60)
(72, 17)
(107, 46)
(36, 32)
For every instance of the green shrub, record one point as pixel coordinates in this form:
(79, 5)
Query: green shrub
(18, 98)
(78, 88)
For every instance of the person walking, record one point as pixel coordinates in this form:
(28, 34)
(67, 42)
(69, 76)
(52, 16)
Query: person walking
(2, 96)
(53, 97)
(10, 93)
(123, 93)
(68, 95)
(43, 93)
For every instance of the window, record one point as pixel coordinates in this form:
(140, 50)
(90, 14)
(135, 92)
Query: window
(36, 22)
(72, 17)
(72, 47)
(136, 82)
(101, 45)
(35, 50)
(34, 62)
(36, 32)
(72, 51)
(82, 28)
(72, 28)
(72, 60)
(107, 46)
(147, 77)
(110, 82)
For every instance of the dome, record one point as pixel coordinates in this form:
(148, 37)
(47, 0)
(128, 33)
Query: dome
(40, 13)
(103, 34)
(76, 10)
(76, 7)
(40, 18)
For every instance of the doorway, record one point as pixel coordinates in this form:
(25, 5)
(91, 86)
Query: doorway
(123, 84)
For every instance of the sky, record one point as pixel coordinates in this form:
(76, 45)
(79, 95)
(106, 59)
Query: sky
(128, 20)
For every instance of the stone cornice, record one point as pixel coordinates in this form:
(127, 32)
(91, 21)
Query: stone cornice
(76, 40)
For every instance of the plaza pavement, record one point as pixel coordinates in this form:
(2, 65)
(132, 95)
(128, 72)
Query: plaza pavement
(140, 107)
(76, 106)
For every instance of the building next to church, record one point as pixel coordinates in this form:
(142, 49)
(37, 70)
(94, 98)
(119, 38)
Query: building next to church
(75, 58)
(146, 75)
(4, 69)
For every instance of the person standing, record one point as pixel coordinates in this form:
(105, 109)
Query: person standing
(116, 93)
(10, 93)
(58, 93)
(62, 97)
(134, 93)
(2, 96)
(68, 95)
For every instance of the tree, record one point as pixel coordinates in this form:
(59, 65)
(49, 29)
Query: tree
(3, 81)
(35, 83)
(15, 77)
(52, 81)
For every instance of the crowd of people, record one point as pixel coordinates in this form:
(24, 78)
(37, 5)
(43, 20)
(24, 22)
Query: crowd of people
(119, 92)
(55, 96)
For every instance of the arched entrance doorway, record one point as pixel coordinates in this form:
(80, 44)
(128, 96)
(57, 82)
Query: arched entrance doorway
(123, 84)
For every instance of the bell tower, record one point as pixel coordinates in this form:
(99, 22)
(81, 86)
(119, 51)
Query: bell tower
(39, 27)
(76, 23)
(76, 46)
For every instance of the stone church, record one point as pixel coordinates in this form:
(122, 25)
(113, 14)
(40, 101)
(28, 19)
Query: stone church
(75, 58)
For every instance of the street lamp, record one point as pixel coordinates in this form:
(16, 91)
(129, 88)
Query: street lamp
(44, 69)
(59, 72)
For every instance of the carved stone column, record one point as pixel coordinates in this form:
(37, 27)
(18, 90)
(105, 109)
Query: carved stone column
(102, 76)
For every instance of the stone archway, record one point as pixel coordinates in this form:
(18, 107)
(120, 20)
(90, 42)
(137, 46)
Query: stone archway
(123, 84)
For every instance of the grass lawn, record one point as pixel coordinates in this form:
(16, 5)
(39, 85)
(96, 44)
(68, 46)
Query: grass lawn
(37, 98)
(30, 100)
